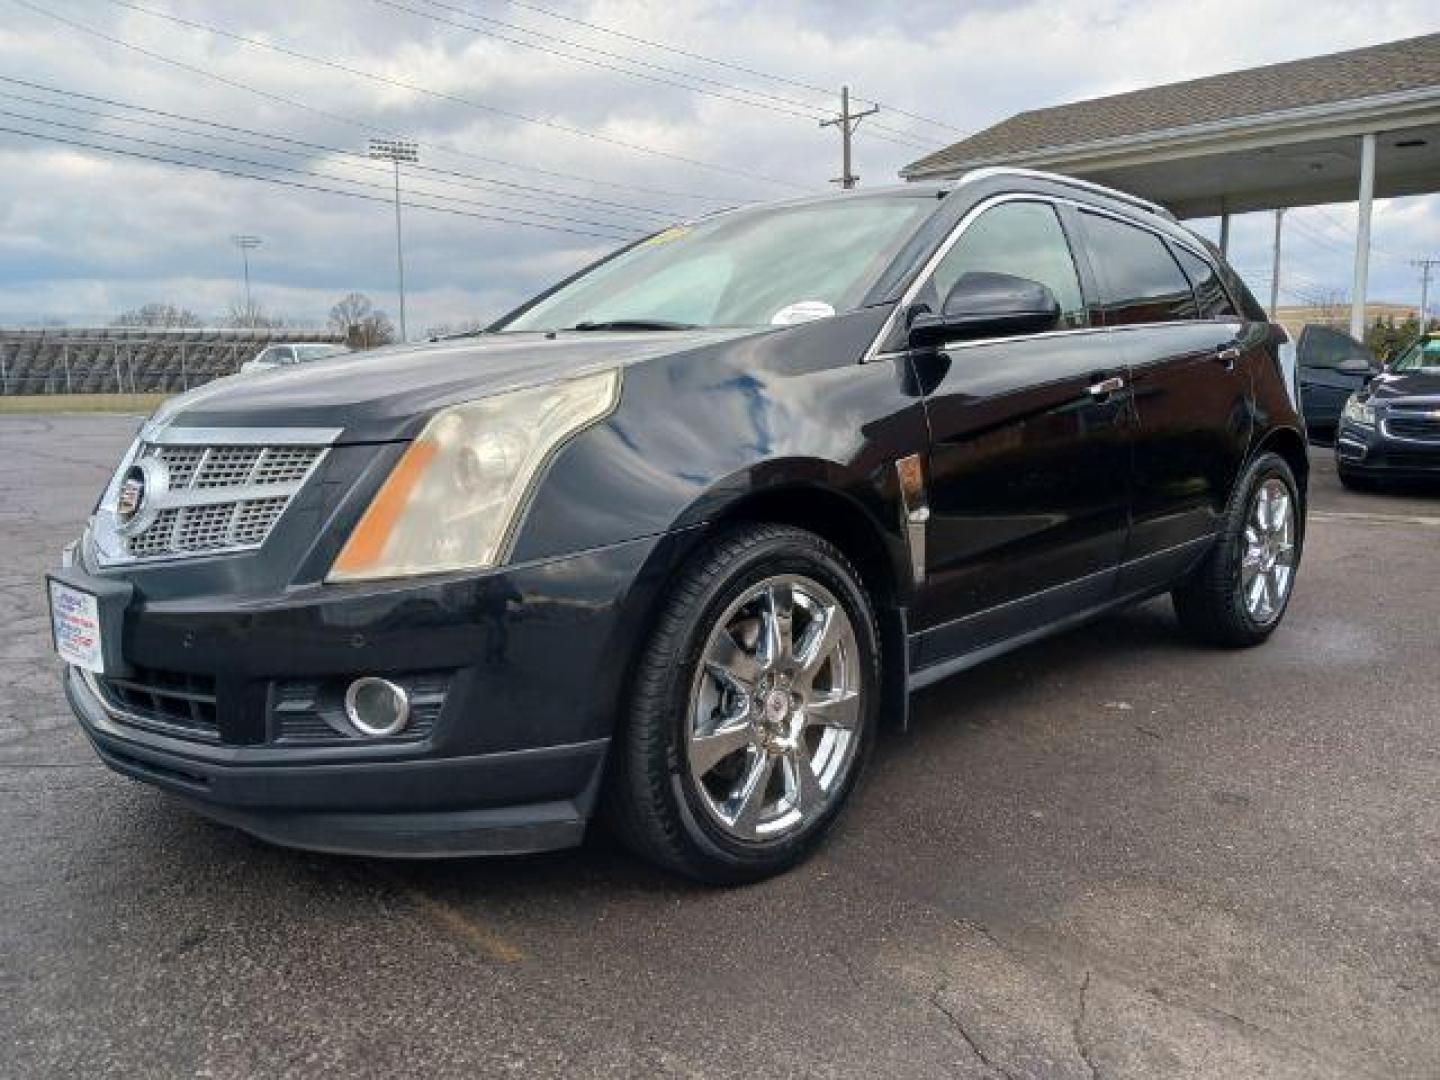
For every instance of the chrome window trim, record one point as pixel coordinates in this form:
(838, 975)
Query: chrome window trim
(988, 172)
(927, 271)
(1166, 238)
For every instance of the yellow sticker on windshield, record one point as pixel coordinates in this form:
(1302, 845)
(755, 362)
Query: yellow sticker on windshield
(675, 232)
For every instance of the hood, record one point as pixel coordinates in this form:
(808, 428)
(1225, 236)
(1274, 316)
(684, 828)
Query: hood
(387, 394)
(1390, 386)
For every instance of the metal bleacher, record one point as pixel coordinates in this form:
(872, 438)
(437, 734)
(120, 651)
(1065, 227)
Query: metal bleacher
(107, 360)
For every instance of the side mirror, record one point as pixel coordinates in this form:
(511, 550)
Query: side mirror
(982, 304)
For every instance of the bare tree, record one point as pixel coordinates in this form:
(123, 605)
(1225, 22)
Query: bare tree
(1331, 307)
(251, 316)
(363, 324)
(158, 315)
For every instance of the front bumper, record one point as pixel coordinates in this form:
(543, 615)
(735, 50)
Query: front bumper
(1376, 452)
(511, 762)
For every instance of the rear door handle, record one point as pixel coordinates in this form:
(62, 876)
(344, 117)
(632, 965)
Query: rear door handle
(1106, 387)
(1228, 355)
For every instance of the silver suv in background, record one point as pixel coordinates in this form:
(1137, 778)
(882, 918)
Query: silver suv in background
(283, 355)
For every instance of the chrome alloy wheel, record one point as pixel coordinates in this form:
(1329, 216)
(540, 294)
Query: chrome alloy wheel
(1268, 566)
(774, 716)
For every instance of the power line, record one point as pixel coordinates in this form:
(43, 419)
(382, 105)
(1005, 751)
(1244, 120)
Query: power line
(785, 106)
(207, 167)
(369, 129)
(318, 175)
(1382, 252)
(651, 43)
(358, 161)
(441, 95)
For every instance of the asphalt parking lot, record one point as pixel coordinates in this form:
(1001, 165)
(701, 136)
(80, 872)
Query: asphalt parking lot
(1112, 854)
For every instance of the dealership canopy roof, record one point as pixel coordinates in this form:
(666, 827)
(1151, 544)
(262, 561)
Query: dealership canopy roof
(1351, 125)
(1276, 136)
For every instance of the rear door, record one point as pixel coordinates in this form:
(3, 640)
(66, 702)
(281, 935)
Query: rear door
(1029, 452)
(1185, 347)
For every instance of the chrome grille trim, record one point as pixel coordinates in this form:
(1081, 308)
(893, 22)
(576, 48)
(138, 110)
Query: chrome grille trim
(213, 498)
(1415, 427)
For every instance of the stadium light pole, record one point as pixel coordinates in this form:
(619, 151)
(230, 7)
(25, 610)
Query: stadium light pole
(396, 151)
(246, 244)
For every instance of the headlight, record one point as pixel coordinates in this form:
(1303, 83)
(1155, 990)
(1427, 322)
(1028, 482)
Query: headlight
(451, 500)
(1359, 412)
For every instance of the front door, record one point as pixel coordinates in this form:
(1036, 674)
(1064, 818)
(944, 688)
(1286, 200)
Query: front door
(1029, 457)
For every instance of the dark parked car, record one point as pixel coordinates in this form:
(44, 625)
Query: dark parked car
(667, 542)
(1391, 429)
(1332, 366)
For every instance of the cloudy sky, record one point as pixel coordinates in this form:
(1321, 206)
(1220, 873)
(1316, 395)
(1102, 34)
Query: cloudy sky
(520, 116)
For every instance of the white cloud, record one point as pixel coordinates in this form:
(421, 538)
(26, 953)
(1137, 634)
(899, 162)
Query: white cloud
(83, 235)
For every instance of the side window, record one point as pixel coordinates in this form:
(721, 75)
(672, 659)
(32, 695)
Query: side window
(1019, 238)
(1209, 292)
(1141, 280)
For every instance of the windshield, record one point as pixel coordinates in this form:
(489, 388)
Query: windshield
(1424, 354)
(765, 267)
(318, 352)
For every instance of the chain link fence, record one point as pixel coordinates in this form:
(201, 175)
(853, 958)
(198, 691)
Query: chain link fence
(121, 360)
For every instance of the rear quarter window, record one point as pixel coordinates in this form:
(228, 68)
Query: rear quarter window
(1211, 298)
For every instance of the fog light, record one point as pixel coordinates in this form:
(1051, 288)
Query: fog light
(377, 707)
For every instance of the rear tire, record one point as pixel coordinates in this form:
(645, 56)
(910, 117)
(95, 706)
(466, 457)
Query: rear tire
(1238, 595)
(751, 711)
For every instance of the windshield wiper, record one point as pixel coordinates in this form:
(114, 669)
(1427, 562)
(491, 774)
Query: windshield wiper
(634, 324)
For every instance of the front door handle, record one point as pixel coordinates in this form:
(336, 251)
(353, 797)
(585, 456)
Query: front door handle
(1228, 355)
(1105, 387)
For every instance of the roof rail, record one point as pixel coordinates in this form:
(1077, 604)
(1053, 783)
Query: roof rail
(1070, 181)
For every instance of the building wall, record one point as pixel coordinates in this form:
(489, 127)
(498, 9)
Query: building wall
(1338, 315)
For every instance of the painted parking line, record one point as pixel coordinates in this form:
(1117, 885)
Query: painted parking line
(1374, 519)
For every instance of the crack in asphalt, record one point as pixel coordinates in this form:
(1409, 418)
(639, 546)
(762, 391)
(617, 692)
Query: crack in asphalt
(969, 1040)
(1082, 1045)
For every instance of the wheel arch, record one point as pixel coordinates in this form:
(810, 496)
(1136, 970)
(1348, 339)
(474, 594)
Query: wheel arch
(809, 503)
(1290, 445)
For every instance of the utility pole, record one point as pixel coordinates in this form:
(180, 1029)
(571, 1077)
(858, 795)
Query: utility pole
(1425, 266)
(1275, 268)
(246, 244)
(396, 151)
(847, 122)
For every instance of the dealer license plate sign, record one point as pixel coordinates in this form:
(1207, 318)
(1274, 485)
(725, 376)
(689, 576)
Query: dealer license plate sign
(75, 619)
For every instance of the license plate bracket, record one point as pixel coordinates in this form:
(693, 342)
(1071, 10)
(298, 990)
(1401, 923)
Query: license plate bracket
(87, 620)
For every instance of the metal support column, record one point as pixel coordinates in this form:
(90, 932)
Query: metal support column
(1362, 237)
(1224, 230)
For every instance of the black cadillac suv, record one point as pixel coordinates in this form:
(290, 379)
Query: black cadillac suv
(669, 541)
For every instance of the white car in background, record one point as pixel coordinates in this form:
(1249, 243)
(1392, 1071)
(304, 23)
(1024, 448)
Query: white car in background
(283, 355)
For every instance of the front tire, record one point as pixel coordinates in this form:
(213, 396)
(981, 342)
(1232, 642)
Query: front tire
(750, 714)
(1238, 595)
